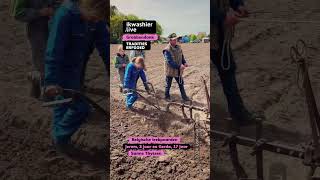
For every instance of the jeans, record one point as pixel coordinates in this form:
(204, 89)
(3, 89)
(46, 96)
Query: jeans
(67, 118)
(131, 99)
(181, 87)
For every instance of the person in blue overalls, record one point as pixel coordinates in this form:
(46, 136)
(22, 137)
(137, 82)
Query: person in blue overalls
(67, 48)
(134, 70)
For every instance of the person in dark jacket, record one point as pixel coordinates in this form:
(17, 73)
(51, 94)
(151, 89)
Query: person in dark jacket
(66, 53)
(36, 14)
(134, 70)
(226, 14)
(121, 62)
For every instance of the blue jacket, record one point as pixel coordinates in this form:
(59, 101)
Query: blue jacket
(131, 76)
(70, 40)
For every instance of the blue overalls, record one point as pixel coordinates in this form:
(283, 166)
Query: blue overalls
(130, 82)
(66, 53)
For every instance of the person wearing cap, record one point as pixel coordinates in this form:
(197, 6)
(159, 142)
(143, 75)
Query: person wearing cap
(175, 64)
(226, 14)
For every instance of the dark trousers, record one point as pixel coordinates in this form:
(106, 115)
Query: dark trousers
(181, 87)
(236, 107)
(38, 36)
(84, 67)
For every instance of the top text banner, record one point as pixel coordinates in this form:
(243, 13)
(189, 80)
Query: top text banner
(139, 27)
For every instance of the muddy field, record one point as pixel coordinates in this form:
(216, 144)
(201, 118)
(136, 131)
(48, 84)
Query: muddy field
(267, 82)
(148, 121)
(26, 151)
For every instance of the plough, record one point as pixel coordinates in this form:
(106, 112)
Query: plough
(151, 92)
(192, 107)
(310, 154)
(183, 106)
(72, 95)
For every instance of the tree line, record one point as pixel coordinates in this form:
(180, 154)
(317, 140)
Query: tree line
(116, 27)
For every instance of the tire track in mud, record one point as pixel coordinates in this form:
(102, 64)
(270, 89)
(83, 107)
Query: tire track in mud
(260, 36)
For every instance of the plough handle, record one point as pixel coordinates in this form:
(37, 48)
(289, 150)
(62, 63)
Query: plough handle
(74, 94)
(298, 55)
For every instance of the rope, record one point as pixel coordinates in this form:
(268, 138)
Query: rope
(180, 77)
(298, 53)
(227, 44)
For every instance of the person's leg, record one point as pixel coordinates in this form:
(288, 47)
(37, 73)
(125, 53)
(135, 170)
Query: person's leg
(58, 114)
(84, 67)
(131, 99)
(182, 90)
(67, 120)
(38, 41)
(168, 86)
(236, 107)
(121, 78)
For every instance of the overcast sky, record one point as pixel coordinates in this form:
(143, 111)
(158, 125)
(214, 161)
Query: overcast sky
(179, 16)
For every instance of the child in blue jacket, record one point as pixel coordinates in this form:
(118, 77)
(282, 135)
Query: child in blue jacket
(66, 54)
(134, 70)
